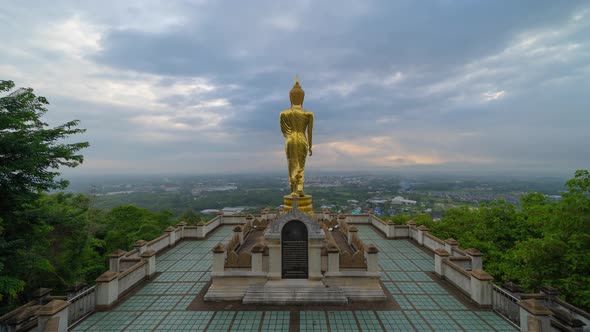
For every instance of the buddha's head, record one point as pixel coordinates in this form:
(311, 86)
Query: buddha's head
(296, 94)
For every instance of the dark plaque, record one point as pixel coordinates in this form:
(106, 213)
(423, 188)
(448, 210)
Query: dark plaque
(294, 250)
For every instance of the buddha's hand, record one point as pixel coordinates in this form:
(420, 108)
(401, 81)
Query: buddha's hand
(310, 152)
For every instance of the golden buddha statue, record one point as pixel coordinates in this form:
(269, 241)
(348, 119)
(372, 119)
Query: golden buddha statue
(295, 124)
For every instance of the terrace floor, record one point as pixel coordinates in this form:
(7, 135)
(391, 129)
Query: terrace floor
(173, 300)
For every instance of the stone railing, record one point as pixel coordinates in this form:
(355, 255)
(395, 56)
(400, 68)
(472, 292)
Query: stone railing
(43, 313)
(113, 284)
(160, 243)
(356, 260)
(477, 284)
(132, 276)
(343, 226)
(127, 269)
(505, 303)
(464, 269)
(358, 218)
(456, 274)
(260, 223)
(82, 305)
(243, 260)
(380, 224)
(567, 314)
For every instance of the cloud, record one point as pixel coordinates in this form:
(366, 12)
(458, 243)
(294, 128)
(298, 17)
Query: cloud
(198, 85)
(489, 96)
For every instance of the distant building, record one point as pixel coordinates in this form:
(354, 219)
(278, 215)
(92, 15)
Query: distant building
(210, 211)
(228, 211)
(170, 188)
(377, 201)
(222, 188)
(398, 200)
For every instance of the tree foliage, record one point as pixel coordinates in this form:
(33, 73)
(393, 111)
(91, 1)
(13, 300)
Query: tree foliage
(31, 153)
(541, 242)
(127, 224)
(190, 217)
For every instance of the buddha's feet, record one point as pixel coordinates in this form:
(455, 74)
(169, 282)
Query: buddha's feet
(301, 193)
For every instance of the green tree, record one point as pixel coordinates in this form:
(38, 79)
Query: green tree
(31, 153)
(65, 242)
(190, 217)
(127, 224)
(558, 251)
(540, 242)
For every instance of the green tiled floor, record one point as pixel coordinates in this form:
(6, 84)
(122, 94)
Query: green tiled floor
(247, 321)
(342, 321)
(440, 321)
(147, 321)
(221, 321)
(161, 304)
(313, 321)
(395, 321)
(275, 321)
(185, 321)
(368, 321)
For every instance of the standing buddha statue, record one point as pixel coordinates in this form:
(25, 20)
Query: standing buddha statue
(297, 125)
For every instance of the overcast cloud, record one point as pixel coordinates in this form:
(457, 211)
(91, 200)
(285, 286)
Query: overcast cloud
(197, 86)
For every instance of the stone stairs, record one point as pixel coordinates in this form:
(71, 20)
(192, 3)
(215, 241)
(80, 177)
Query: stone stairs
(294, 291)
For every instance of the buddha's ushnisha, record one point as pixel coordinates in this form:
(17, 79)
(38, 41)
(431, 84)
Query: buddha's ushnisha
(297, 125)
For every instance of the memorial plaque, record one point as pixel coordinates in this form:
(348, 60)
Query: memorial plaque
(294, 250)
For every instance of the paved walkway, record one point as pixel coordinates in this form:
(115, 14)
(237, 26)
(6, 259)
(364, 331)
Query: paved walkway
(426, 304)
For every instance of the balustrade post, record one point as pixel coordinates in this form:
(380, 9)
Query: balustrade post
(372, 258)
(150, 256)
(450, 245)
(115, 258)
(534, 316)
(239, 233)
(333, 257)
(57, 311)
(421, 230)
(476, 258)
(257, 252)
(481, 288)
(107, 290)
(171, 235)
(352, 230)
(439, 256)
(141, 246)
(218, 258)
(181, 225)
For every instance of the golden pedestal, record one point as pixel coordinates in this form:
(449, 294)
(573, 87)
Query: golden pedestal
(303, 203)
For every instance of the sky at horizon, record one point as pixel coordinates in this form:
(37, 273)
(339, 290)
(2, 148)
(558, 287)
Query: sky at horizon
(197, 86)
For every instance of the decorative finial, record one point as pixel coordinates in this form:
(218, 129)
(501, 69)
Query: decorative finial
(296, 78)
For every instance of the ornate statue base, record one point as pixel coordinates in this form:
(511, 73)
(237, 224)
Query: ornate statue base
(303, 203)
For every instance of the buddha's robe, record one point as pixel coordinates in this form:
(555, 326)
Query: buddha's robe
(295, 122)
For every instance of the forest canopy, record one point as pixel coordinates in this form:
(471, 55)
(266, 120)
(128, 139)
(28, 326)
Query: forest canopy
(537, 243)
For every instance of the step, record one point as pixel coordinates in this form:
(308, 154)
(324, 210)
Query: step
(296, 293)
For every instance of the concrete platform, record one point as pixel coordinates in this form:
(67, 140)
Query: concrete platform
(173, 301)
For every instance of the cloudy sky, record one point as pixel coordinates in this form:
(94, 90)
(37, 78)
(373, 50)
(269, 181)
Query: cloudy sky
(197, 86)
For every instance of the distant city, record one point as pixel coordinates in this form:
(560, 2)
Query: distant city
(382, 195)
